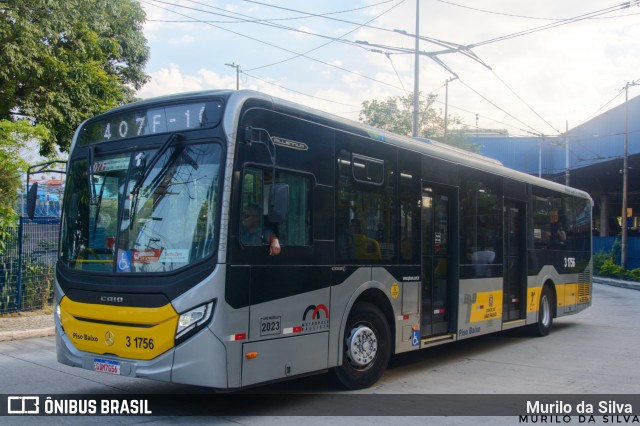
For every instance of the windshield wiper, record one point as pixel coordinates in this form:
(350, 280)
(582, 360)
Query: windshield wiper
(98, 204)
(147, 171)
(135, 191)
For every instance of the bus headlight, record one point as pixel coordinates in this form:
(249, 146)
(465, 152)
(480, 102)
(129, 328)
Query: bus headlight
(56, 314)
(194, 320)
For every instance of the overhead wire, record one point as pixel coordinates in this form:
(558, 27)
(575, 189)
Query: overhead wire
(329, 42)
(333, 39)
(523, 101)
(297, 91)
(533, 130)
(620, 92)
(149, 2)
(600, 109)
(317, 15)
(557, 23)
(524, 16)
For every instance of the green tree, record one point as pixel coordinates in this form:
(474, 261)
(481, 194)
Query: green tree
(64, 61)
(396, 115)
(13, 135)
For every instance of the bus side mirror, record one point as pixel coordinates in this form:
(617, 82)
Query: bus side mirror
(32, 196)
(278, 202)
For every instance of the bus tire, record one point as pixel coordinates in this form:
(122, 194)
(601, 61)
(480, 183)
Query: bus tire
(366, 347)
(542, 327)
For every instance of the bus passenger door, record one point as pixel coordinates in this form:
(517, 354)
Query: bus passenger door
(515, 279)
(436, 262)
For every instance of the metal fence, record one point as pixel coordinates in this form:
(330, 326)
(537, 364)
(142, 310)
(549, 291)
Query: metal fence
(27, 265)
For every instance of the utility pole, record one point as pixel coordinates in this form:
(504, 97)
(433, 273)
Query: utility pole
(416, 80)
(446, 105)
(623, 248)
(237, 67)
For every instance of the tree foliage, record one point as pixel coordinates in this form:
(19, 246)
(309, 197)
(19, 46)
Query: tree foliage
(64, 61)
(395, 114)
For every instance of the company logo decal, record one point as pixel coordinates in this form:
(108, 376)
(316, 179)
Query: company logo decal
(315, 318)
(315, 312)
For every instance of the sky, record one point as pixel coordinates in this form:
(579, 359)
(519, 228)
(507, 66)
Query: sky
(539, 66)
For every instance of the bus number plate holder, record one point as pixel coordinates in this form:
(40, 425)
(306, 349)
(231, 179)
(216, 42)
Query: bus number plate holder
(270, 326)
(106, 366)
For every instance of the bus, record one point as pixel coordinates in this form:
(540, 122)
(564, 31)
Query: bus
(387, 244)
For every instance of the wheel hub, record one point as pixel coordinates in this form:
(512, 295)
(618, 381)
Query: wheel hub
(362, 346)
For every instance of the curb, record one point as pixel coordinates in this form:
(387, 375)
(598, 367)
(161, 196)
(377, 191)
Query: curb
(6, 336)
(617, 283)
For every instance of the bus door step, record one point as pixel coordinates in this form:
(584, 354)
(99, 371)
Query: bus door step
(513, 324)
(437, 340)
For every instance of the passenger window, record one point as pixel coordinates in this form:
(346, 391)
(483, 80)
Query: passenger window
(366, 220)
(481, 225)
(255, 227)
(541, 222)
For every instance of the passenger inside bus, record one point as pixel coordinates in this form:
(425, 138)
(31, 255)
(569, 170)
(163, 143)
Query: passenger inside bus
(252, 232)
(358, 245)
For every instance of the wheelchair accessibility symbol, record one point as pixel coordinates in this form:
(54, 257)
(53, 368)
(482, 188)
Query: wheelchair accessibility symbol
(124, 261)
(415, 337)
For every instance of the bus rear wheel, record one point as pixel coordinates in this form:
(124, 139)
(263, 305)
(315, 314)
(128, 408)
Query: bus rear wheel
(542, 327)
(366, 347)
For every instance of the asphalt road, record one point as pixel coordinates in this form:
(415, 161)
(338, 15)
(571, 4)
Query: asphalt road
(594, 352)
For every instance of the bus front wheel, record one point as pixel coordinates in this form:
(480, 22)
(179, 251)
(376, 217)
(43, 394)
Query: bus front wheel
(366, 347)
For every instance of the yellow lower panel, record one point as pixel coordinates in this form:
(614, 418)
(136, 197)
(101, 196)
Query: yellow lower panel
(129, 332)
(488, 305)
(570, 294)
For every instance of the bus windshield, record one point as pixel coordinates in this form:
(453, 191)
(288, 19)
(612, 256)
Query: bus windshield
(143, 211)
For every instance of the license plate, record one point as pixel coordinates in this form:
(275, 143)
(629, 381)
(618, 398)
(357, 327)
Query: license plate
(106, 366)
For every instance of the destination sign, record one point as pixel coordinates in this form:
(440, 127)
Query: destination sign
(153, 120)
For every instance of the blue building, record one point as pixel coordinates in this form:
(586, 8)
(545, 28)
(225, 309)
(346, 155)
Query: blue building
(595, 157)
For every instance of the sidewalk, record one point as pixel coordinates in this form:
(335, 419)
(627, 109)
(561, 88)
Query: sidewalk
(26, 327)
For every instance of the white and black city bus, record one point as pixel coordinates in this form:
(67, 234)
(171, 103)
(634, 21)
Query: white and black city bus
(388, 244)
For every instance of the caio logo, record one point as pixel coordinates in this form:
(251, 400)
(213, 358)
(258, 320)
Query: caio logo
(315, 318)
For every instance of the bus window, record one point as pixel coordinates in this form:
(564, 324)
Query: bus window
(295, 230)
(481, 228)
(541, 223)
(580, 231)
(365, 219)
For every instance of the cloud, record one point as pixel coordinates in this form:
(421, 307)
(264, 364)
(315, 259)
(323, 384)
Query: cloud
(171, 80)
(184, 39)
